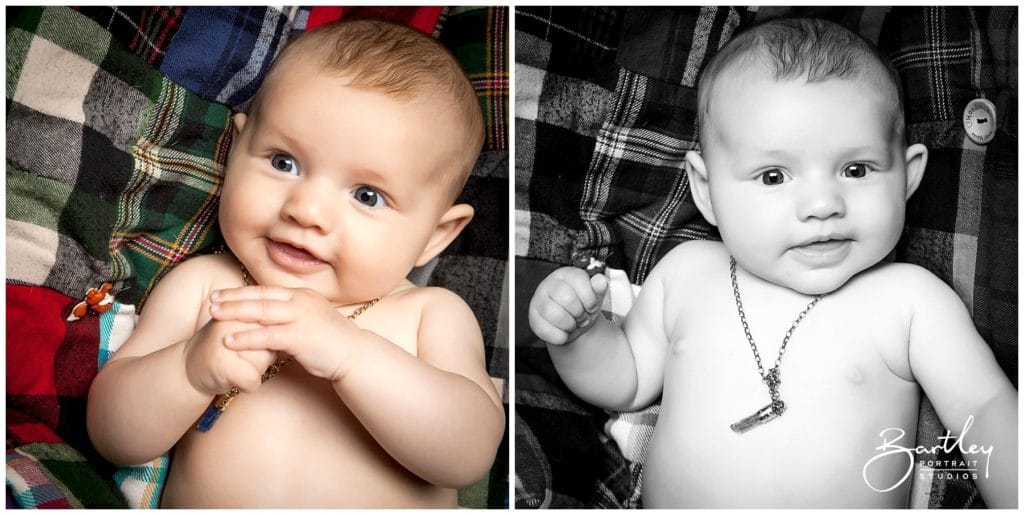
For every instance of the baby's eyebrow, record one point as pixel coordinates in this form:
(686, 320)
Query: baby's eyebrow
(371, 175)
(270, 129)
(775, 153)
(872, 151)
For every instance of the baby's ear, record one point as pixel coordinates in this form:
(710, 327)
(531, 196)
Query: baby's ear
(697, 173)
(917, 160)
(451, 224)
(239, 122)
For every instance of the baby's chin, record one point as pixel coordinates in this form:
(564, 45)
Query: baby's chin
(817, 282)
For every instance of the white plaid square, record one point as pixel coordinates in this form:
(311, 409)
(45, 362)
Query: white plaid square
(54, 81)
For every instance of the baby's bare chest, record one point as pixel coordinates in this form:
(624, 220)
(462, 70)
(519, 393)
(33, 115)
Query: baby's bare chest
(837, 381)
(293, 442)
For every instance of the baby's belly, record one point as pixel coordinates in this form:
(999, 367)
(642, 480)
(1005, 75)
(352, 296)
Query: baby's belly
(819, 453)
(293, 443)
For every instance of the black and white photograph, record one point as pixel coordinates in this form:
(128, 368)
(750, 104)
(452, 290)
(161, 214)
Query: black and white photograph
(766, 257)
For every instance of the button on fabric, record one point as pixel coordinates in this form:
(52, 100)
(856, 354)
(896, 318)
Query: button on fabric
(980, 120)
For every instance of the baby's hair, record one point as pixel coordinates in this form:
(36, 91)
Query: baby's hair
(400, 62)
(812, 49)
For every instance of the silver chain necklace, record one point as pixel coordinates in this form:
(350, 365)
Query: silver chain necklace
(772, 377)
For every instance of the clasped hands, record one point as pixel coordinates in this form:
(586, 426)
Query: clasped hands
(252, 324)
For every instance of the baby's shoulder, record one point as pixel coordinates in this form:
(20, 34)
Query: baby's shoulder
(901, 288)
(690, 261)
(186, 287)
(430, 301)
(440, 314)
(908, 279)
(209, 270)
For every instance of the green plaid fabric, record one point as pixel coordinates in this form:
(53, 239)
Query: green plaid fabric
(112, 170)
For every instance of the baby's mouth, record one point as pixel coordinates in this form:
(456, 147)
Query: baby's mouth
(290, 256)
(823, 253)
(823, 246)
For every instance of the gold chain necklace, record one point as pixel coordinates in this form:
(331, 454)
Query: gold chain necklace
(221, 402)
(772, 378)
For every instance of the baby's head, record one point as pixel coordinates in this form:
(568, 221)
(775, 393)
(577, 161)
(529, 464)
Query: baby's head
(399, 62)
(806, 49)
(803, 166)
(343, 175)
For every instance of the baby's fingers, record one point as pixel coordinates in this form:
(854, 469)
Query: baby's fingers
(566, 296)
(583, 287)
(600, 284)
(547, 331)
(260, 311)
(553, 323)
(264, 338)
(246, 375)
(259, 359)
(251, 293)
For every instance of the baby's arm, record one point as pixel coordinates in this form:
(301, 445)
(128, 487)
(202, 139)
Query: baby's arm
(436, 413)
(957, 370)
(142, 401)
(607, 365)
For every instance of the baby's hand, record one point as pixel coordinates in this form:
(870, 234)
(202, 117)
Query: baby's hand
(566, 304)
(297, 322)
(213, 368)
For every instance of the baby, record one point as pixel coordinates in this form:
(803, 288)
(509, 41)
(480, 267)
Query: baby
(341, 178)
(790, 356)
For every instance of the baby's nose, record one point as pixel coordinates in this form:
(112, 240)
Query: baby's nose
(821, 200)
(309, 206)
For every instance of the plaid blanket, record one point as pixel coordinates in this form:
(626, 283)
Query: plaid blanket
(606, 103)
(118, 126)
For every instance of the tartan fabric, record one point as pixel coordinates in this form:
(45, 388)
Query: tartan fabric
(479, 39)
(605, 110)
(607, 136)
(112, 170)
(56, 476)
(222, 54)
(145, 31)
(118, 127)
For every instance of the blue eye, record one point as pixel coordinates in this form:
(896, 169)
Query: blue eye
(856, 171)
(284, 163)
(369, 196)
(773, 177)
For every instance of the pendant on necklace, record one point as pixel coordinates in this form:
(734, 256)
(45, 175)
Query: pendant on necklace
(762, 416)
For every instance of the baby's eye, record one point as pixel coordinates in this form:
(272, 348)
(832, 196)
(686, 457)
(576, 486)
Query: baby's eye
(856, 170)
(284, 163)
(369, 196)
(773, 177)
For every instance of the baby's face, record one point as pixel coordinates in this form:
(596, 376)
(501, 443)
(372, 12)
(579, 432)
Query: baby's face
(334, 188)
(807, 182)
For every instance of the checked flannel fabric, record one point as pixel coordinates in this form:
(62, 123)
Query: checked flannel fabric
(118, 128)
(219, 54)
(607, 132)
(605, 109)
(107, 180)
